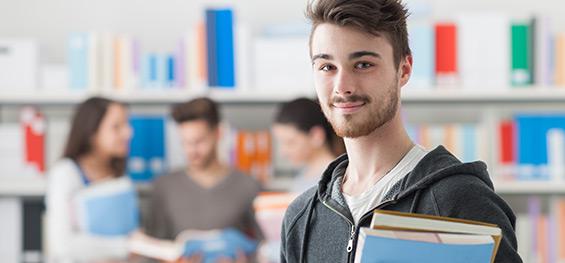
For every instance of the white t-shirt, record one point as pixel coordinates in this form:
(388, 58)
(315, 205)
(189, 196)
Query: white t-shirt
(370, 198)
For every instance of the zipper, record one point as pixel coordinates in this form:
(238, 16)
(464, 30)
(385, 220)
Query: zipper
(353, 228)
(351, 241)
(351, 237)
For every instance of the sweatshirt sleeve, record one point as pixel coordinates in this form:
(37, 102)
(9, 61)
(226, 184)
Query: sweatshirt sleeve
(65, 242)
(468, 197)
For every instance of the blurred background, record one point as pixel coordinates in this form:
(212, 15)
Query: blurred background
(488, 83)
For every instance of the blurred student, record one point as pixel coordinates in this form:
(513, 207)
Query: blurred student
(96, 152)
(207, 194)
(306, 139)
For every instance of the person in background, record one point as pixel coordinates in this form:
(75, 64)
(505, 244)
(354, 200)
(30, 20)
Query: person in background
(306, 138)
(95, 152)
(207, 194)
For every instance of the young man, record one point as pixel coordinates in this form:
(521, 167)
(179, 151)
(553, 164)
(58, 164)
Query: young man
(361, 59)
(207, 194)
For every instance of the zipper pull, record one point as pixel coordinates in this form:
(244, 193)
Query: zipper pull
(351, 237)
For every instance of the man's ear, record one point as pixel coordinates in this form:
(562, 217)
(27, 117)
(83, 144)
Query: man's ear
(405, 70)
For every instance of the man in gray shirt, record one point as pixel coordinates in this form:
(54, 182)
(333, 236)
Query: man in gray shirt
(207, 194)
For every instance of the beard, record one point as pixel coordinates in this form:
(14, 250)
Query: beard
(364, 122)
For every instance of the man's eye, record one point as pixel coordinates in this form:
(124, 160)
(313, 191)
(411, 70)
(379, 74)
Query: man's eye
(363, 65)
(326, 68)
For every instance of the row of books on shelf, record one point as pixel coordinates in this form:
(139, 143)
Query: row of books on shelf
(541, 231)
(486, 51)
(532, 147)
(216, 52)
(28, 147)
(205, 57)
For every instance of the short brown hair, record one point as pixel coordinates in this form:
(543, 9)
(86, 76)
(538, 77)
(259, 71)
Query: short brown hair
(376, 17)
(197, 109)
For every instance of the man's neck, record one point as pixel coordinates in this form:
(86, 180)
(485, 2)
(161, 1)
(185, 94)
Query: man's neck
(209, 175)
(371, 157)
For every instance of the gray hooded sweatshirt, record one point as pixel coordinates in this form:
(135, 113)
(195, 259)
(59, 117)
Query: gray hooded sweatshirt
(318, 226)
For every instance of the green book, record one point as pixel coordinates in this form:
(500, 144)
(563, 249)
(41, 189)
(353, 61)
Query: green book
(521, 54)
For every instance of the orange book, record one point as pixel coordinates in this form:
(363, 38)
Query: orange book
(561, 229)
(202, 67)
(450, 138)
(118, 81)
(543, 239)
(263, 155)
(424, 137)
(244, 151)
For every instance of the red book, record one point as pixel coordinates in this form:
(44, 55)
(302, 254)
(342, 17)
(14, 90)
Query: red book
(33, 124)
(507, 134)
(446, 50)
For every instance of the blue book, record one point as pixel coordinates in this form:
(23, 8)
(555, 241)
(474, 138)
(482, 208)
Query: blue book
(407, 237)
(408, 247)
(469, 134)
(170, 80)
(532, 147)
(109, 208)
(214, 246)
(147, 148)
(211, 48)
(422, 43)
(225, 48)
(155, 155)
(210, 245)
(78, 61)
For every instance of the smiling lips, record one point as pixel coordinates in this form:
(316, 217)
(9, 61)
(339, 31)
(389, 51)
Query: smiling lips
(348, 107)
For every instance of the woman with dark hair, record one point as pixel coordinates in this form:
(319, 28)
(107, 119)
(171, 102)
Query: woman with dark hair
(306, 139)
(95, 153)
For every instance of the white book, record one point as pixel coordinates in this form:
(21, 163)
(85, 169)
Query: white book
(93, 60)
(524, 236)
(11, 229)
(542, 53)
(556, 154)
(484, 35)
(415, 222)
(107, 62)
(19, 65)
(242, 48)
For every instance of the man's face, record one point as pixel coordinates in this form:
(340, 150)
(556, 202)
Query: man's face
(356, 79)
(199, 142)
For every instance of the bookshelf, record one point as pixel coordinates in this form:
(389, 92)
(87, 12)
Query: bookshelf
(36, 187)
(409, 95)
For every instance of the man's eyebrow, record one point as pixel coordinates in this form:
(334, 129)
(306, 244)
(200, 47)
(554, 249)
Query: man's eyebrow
(321, 56)
(359, 54)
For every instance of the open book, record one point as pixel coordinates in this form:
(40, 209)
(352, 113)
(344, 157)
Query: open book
(404, 237)
(211, 245)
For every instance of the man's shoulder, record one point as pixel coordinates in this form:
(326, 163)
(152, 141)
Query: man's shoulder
(299, 205)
